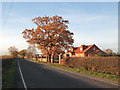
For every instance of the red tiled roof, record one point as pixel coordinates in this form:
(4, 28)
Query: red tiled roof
(77, 49)
(89, 46)
(73, 49)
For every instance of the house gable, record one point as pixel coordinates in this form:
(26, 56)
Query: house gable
(83, 50)
(93, 49)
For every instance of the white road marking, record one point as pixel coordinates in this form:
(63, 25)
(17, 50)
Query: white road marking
(22, 76)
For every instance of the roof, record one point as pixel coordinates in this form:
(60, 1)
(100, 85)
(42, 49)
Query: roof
(94, 52)
(83, 47)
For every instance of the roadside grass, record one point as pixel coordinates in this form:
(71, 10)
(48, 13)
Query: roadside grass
(110, 77)
(90, 73)
(8, 72)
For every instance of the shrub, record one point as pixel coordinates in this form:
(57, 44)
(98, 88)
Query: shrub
(109, 65)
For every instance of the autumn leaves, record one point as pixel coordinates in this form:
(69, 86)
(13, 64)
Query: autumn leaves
(51, 35)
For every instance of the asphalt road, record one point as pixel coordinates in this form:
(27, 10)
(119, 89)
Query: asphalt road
(42, 76)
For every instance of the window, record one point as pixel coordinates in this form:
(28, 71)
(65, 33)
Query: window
(73, 53)
(81, 49)
(93, 48)
(67, 55)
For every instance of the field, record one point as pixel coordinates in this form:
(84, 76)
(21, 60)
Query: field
(8, 72)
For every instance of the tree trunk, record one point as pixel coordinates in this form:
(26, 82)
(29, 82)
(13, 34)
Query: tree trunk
(36, 58)
(60, 57)
(49, 57)
(52, 58)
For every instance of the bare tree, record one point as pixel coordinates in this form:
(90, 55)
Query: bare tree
(31, 51)
(13, 51)
(108, 51)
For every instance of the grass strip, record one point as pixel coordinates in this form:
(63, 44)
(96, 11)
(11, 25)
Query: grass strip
(9, 73)
(90, 73)
(114, 78)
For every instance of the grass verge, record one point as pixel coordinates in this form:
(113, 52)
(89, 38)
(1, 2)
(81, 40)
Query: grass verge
(9, 73)
(114, 78)
(110, 77)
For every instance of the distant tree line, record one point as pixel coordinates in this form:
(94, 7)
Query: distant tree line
(29, 52)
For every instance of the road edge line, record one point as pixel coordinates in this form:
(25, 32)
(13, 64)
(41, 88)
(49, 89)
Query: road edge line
(23, 81)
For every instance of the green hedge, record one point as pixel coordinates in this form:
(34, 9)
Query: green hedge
(109, 65)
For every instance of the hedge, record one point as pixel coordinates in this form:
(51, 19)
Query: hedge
(109, 65)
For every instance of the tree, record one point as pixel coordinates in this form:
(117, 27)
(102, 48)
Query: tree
(118, 53)
(13, 51)
(23, 53)
(108, 51)
(51, 35)
(31, 51)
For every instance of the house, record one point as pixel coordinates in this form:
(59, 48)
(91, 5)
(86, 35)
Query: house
(83, 51)
(40, 57)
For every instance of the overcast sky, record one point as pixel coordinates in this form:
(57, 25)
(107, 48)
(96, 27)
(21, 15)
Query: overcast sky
(91, 22)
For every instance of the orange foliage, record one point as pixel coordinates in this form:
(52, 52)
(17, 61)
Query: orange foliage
(51, 35)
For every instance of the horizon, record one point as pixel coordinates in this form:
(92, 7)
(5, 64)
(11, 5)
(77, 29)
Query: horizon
(91, 22)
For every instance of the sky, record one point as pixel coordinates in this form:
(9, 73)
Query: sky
(91, 22)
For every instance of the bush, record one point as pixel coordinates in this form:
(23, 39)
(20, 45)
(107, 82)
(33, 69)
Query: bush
(109, 65)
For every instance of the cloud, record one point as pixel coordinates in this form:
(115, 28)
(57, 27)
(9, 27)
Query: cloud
(85, 19)
(18, 23)
(11, 14)
(18, 19)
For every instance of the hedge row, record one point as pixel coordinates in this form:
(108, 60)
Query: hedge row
(109, 65)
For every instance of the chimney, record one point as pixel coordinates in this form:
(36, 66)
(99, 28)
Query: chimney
(83, 46)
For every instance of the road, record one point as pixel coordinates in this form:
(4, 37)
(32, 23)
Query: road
(42, 76)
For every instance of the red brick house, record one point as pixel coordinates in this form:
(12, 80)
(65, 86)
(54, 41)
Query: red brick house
(83, 51)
